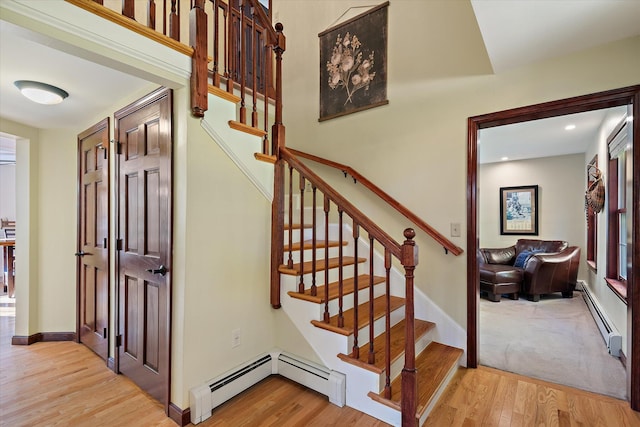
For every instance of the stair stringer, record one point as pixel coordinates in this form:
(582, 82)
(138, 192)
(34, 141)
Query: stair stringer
(239, 146)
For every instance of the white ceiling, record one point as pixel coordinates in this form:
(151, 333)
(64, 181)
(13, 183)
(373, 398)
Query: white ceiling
(546, 137)
(519, 32)
(515, 33)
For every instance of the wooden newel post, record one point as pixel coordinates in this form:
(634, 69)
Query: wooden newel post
(277, 130)
(198, 41)
(277, 206)
(409, 377)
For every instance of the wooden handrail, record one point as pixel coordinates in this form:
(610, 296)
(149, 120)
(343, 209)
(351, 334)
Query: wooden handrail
(438, 237)
(372, 228)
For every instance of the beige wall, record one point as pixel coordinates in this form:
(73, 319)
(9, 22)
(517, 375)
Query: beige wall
(415, 147)
(561, 185)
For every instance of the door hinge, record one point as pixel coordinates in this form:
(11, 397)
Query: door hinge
(119, 244)
(104, 333)
(118, 340)
(104, 243)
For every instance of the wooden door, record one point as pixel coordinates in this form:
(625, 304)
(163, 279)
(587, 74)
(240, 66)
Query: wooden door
(92, 275)
(144, 139)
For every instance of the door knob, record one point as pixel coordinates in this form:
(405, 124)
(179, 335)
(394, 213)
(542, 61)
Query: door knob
(82, 253)
(162, 270)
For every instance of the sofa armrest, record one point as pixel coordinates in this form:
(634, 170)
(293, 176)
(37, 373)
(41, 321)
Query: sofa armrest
(499, 255)
(552, 272)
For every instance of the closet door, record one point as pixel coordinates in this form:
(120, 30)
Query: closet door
(93, 238)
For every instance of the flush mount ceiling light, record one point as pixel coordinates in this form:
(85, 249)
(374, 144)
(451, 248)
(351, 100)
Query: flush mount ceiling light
(41, 93)
(570, 127)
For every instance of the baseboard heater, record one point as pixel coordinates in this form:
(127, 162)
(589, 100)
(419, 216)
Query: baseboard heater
(204, 398)
(611, 336)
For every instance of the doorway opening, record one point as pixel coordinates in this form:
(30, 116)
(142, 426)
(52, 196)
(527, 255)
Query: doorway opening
(614, 98)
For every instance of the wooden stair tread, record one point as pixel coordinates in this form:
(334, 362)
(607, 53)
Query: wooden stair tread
(379, 310)
(265, 158)
(246, 128)
(397, 346)
(308, 244)
(433, 366)
(321, 265)
(347, 288)
(214, 90)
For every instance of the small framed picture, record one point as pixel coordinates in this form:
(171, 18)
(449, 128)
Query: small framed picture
(519, 210)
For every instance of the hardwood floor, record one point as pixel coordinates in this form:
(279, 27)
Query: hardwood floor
(489, 397)
(64, 383)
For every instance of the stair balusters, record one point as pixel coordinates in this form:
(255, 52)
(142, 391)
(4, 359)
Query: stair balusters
(290, 228)
(314, 245)
(340, 270)
(405, 253)
(327, 206)
(372, 353)
(356, 290)
(387, 327)
(302, 225)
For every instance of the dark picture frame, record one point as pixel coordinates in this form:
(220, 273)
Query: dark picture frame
(519, 210)
(353, 64)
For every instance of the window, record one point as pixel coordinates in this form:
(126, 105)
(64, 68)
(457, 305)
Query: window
(618, 198)
(592, 220)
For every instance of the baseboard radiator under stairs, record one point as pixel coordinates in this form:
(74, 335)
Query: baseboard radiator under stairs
(611, 336)
(204, 398)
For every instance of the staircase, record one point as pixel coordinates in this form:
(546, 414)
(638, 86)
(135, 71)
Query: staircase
(327, 318)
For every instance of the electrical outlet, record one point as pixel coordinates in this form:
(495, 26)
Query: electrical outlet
(307, 187)
(235, 338)
(455, 229)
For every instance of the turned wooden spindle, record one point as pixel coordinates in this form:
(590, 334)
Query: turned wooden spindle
(387, 344)
(326, 316)
(340, 271)
(356, 236)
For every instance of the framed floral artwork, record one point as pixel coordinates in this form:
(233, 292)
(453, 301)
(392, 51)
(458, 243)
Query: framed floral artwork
(519, 210)
(353, 64)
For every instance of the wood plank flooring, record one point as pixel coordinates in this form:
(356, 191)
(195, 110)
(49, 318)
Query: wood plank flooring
(489, 397)
(64, 383)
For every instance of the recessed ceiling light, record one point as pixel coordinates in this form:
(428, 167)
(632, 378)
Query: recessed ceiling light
(41, 93)
(569, 127)
(504, 159)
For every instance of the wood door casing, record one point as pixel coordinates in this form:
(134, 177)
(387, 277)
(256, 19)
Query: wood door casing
(92, 273)
(629, 96)
(144, 135)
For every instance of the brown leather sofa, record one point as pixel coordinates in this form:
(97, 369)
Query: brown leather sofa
(534, 267)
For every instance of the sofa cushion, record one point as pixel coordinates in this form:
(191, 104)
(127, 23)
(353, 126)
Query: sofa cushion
(499, 256)
(499, 274)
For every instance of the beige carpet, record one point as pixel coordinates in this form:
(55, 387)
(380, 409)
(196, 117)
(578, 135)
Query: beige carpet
(555, 340)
